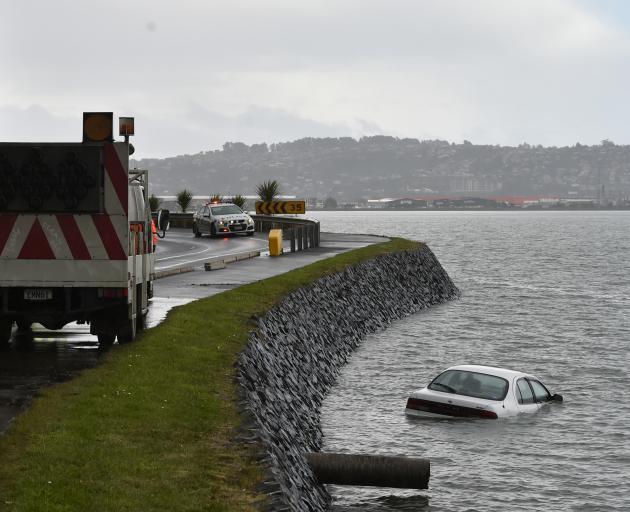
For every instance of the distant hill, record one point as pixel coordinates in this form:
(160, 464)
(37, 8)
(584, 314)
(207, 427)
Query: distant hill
(383, 166)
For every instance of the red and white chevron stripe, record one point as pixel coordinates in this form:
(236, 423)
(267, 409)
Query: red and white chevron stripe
(61, 237)
(65, 236)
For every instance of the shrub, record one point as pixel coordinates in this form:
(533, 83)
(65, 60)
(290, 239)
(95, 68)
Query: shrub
(154, 203)
(239, 201)
(184, 198)
(268, 190)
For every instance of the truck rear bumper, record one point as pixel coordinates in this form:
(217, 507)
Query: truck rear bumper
(57, 273)
(55, 307)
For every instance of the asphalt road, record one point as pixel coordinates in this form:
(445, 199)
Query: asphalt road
(39, 357)
(181, 248)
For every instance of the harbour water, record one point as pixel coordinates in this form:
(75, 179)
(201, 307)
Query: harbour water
(546, 292)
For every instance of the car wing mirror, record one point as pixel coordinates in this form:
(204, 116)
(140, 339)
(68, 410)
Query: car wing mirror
(163, 222)
(557, 398)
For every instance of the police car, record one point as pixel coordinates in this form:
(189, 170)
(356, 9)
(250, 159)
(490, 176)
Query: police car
(216, 219)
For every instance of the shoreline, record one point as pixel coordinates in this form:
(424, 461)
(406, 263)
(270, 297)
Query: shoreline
(157, 425)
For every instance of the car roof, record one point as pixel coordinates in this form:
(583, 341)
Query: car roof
(491, 370)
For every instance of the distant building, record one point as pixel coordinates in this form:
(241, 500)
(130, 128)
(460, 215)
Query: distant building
(467, 202)
(407, 204)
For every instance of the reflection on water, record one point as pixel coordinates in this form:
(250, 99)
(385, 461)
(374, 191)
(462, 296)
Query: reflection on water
(38, 357)
(543, 292)
(385, 503)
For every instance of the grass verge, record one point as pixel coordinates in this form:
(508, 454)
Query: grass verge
(153, 427)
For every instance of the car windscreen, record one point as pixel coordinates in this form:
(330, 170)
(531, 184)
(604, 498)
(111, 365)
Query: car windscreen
(226, 209)
(478, 385)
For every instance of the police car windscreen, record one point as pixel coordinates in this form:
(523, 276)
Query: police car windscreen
(226, 209)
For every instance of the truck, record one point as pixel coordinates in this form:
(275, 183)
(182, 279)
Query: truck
(76, 240)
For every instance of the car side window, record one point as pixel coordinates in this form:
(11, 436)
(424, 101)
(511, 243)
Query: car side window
(524, 392)
(206, 211)
(540, 392)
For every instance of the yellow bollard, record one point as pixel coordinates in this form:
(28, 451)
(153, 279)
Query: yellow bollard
(275, 242)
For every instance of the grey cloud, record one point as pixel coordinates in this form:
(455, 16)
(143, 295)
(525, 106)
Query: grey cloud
(489, 71)
(200, 129)
(36, 124)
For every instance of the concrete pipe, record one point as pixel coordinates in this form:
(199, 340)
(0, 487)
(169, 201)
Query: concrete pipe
(370, 470)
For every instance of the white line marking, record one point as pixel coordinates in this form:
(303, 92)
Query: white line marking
(202, 259)
(183, 255)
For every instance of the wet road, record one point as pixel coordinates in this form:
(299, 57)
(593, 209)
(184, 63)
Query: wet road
(181, 248)
(38, 357)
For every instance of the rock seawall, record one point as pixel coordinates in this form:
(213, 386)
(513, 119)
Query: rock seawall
(293, 358)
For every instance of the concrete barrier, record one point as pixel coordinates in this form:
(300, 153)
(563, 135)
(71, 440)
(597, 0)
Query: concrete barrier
(178, 219)
(220, 262)
(370, 470)
(215, 263)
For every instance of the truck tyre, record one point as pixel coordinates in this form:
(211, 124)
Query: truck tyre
(106, 339)
(141, 317)
(5, 331)
(23, 325)
(127, 333)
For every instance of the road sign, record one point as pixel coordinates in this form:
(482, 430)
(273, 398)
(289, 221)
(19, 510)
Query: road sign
(287, 207)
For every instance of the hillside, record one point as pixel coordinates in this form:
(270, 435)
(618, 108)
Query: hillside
(382, 166)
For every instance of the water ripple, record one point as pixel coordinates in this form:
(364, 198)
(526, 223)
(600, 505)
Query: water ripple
(545, 292)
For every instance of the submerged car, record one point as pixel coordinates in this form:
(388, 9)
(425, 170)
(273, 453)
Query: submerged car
(471, 391)
(222, 219)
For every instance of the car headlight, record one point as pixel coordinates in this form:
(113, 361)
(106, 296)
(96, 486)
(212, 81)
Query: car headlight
(221, 223)
(250, 221)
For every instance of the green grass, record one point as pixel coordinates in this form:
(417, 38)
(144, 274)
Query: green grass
(153, 427)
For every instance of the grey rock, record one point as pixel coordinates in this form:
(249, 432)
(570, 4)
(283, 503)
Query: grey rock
(294, 356)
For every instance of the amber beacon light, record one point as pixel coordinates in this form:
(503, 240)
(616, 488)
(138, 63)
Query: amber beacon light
(98, 126)
(126, 126)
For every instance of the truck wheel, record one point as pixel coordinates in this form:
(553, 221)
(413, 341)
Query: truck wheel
(105, 340)
(140, 316)
(5, 331)
(127, 333)
(23, 325)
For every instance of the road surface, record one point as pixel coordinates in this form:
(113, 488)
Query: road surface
(181, 248)
(39, 357)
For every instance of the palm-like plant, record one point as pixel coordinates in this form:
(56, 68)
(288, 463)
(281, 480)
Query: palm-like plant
(239, 201)
(268, 190)
(154, 203)
(184, 197)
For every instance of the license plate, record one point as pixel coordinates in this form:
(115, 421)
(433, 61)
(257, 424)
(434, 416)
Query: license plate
(238, 228)
(37, 294)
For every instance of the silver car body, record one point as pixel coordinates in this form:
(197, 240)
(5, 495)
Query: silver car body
(472, 391)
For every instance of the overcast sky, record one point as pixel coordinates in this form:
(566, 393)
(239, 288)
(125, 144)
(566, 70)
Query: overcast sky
(195, 74)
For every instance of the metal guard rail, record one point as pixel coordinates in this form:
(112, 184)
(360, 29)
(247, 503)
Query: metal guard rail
(301, 233)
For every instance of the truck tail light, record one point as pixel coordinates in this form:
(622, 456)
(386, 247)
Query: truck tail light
(112, 293)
